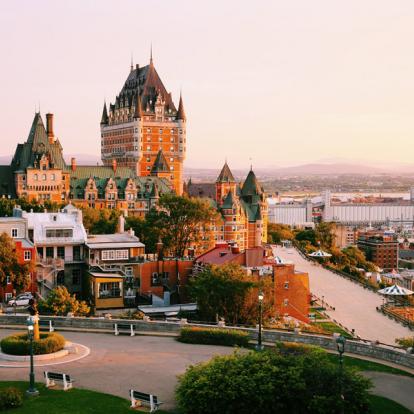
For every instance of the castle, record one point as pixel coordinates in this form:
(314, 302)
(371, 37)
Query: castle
(142, 122)
(243, 208)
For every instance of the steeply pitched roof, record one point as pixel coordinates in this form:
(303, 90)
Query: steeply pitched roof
(181, 112)
(36, 145)
(225, 175)
(228, 201)
(104, 119)
(251, 186)
(6, 181)
(160, 164)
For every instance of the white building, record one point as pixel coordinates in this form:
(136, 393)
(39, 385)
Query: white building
(59, 239)
(291, 213)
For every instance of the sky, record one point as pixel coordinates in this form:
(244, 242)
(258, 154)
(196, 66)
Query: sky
(273, 83)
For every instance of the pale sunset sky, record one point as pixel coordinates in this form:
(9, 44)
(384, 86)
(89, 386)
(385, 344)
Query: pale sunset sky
(281, 82)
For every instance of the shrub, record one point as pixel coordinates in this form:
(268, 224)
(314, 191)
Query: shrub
(19, 344)
(61, 302)
(138, 315)
(406, 343)
(269, 382)
(291, 348)
(10, 397)
(213, 336)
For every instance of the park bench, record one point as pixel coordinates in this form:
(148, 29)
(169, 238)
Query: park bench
(124, 328)
(52, 377)
(141, 398)
(45, 325)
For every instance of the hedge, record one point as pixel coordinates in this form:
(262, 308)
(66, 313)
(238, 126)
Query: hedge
(10, 397)
(19, 344)
(212, 336)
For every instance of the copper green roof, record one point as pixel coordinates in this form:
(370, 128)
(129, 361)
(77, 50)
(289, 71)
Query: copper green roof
(6, 181)
(228, 201)
(37, 144)
(160, 164)
(225, 175)
(251, 186)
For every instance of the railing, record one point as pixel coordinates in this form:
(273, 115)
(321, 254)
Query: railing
(396, 316)
(56, 262)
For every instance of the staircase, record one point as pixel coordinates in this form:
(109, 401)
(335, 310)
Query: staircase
(46, 271)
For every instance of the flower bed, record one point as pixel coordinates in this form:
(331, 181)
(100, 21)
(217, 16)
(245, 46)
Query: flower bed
(19, 344)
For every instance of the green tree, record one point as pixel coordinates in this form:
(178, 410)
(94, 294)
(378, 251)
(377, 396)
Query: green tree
(102, 221)
(271, 382)
(278, 232)
(60, 302)
(19, 273)
(227, 291)
(324, 233)
(180, 222)
(306, 235)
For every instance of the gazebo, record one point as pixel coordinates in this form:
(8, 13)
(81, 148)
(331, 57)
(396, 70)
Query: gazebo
(395, 291)
(320, 254)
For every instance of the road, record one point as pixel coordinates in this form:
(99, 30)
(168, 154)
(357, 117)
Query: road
(355, 307)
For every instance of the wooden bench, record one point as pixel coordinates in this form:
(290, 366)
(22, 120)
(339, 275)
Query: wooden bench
(124, 328)
(52, 377)
(46, 325)
(141, 398)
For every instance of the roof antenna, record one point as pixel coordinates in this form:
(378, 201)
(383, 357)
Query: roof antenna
(132, 61)
(151, 55)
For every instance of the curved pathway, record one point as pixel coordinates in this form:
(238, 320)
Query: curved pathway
(355, 307)
(151, 364)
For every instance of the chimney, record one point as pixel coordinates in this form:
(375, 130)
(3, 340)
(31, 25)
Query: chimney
(49, 128)
(114, 165)
(121, 224)
(235, 249)
(73, 164)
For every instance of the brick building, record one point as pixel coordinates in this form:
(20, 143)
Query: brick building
(291, 292)
(39, 172)
(142, 122)
(243, 210)
(380, 248)
(16, 227)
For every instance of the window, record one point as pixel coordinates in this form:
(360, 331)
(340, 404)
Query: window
(14, 233)
(27, 255)
(76, 253)
(61, 252)
(8, 280)
(52, 177)
(115, 254)
(109, 290)
(49, 252)
(76, 276)
(171, 159)
(60, 279)
(285, 302)
(128, 271)
(43, 177)
(59, 233)
(286, 285)
(35, 177)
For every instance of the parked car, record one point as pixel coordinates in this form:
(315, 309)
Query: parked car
(21, 300)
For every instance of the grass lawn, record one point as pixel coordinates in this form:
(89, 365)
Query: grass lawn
(75, 401)
(331, 327)
(79, 401)
(381, 405)
(364, 365)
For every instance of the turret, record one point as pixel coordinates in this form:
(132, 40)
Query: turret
(104, 119)
(181, 112)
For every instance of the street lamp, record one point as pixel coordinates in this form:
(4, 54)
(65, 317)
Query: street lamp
(32, 391)
(259, 346)
(340, 345)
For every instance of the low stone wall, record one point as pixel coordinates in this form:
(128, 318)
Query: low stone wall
(357, 347)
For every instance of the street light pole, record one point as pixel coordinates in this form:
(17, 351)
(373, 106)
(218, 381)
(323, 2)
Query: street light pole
(259, 346)
(340, 344)
(32, 391)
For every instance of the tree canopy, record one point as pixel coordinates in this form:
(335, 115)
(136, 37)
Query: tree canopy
(227, 291)
(277, 232)
(102, 221)
(178, 221)
(60, 302)
(19, 273)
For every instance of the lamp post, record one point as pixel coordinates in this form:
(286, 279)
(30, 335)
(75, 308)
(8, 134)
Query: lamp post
(259, 346)
(32, 391)
(340, 345)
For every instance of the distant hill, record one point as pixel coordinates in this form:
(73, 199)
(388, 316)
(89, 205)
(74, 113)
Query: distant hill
(334, 168)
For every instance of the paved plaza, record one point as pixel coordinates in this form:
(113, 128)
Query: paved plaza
(355, 307)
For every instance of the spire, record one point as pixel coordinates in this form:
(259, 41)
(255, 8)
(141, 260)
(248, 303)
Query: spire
(251, 186)
(104, 119)
(225, 175)
(180, 112)
(132, 62)
(138, 107)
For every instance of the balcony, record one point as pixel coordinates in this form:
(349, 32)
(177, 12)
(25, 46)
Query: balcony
(55, 262)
